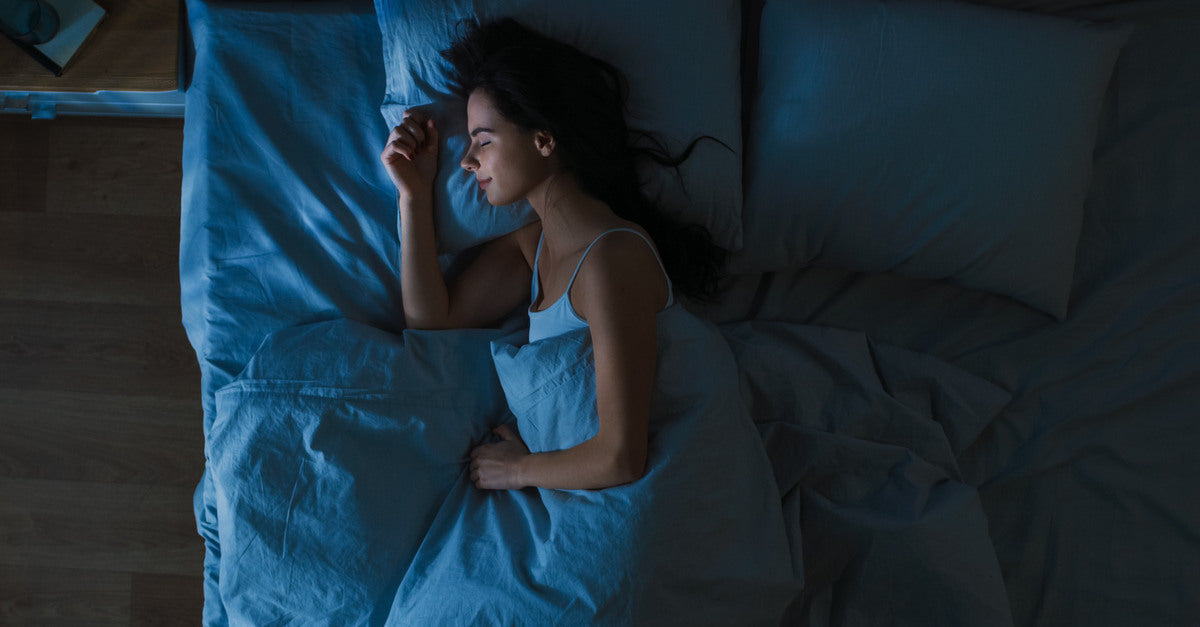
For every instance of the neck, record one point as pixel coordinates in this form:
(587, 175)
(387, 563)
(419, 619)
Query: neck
(566, 211)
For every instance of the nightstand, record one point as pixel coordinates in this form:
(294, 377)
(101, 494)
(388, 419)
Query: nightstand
(131, 66)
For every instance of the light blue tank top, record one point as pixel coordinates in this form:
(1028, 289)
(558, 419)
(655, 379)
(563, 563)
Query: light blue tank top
(560, 317)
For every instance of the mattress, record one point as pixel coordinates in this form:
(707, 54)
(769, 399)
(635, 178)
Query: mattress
(1086, 477)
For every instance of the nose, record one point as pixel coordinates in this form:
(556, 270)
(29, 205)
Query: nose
(469, 163)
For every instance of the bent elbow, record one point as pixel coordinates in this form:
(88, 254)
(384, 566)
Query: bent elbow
(611, 464)
(634, 475)
(628, 469)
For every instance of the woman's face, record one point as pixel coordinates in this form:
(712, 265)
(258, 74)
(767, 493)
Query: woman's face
(508, 162)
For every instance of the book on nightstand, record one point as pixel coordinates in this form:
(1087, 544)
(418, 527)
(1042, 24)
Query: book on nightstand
(77, 20)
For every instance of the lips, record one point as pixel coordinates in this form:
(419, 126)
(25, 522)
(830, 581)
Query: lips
(483, 183)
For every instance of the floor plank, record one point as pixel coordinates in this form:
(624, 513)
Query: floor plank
(106, 438)
(115, 166)
(23, 158)
(159, 600)
(35, 595)
(90, 258)
(99, 526)
(96, 348)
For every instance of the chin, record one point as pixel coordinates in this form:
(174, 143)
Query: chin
(497, 201)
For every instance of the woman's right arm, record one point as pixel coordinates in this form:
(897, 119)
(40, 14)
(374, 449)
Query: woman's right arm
(425, 297)
(495, 283)
(489, 288)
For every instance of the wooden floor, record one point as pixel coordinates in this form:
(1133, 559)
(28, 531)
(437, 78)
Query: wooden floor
(100, 419)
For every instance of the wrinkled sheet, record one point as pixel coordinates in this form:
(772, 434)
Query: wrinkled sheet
(339, 459)
(864, 440)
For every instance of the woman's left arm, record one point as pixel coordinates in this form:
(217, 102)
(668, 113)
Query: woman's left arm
(620, 301)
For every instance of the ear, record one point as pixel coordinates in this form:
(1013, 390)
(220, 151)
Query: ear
(544, 142)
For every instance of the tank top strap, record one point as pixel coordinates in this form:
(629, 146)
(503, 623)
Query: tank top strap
(537, 256)
(670, 287)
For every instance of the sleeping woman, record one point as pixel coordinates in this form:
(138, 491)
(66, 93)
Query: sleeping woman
(546, 123)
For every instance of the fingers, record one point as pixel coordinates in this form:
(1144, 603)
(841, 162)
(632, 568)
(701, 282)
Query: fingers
(411, 136)
(403, 138)
(477, 475)
(474, 468)
(397, 141)
(417, 125)
(431, 132)
(394, 148)
(415, 115)
(401, 143)
(505, 432)
(411, 129)
(491, 464)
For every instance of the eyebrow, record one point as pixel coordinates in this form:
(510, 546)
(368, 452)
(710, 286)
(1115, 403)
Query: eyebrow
(481, 129)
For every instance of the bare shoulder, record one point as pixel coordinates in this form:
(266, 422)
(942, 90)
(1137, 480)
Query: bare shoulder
(622, 272)
(622, 250)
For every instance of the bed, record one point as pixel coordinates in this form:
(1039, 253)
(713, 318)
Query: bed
(952, 378)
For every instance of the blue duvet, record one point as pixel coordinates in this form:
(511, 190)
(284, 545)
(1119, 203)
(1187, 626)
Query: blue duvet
(342, 492)
(791, 470)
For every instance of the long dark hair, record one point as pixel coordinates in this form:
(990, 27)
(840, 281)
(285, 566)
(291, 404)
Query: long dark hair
(539, 83)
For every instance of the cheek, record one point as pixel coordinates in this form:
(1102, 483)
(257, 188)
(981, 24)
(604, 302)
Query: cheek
(513, 175)
(496, 191)
(503, 182)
